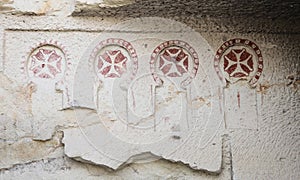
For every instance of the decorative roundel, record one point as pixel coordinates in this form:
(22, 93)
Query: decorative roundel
(46, 61)
(174, 58)
(111, 57)
(239, 59)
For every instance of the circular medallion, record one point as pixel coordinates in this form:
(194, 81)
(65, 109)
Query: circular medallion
(239, 59)
(46, 62)
(174, 58)
(111, 58)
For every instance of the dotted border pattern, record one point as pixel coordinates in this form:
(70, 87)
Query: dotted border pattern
(60, 84)
(53, 43)
(119, 42)
(178, 43)
(234, 42)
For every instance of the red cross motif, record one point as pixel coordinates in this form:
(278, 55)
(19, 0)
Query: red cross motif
(46, 64)
(174, 62)
(112, 63)
(238, 63)
(239, 59)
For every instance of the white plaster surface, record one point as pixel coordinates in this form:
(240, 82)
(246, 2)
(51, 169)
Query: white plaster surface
(46, 98)
(244, 113)
(172, 123)
(260, 141)
(42, 7)
(1, 46)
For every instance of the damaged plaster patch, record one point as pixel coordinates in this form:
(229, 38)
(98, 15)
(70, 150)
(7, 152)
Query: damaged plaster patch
(26, 150)
(43, 7)
(40, 77)
(15, 110)
(142, 90)
(5, 5)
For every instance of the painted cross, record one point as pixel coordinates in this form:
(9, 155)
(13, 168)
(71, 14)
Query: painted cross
(146, 94)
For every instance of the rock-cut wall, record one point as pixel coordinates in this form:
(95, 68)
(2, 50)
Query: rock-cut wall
(127, 89)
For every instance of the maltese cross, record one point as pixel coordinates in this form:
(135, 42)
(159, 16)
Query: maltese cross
(112, 64)
(46, 63)
(174, 62)
(238, 63)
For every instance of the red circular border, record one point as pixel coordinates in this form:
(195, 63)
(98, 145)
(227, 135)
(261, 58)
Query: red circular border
(122, 43)
(234, 42)
(167, 44)
(55, 44)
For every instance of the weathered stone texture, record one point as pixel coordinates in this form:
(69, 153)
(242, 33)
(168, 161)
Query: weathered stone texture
(31, 7)
(261, 141)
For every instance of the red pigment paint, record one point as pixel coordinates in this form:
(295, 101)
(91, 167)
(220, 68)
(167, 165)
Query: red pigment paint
(239, 99)
(46, 63)
(239, 62)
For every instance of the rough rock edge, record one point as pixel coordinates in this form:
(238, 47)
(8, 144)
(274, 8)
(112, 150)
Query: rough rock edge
(133, 158)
